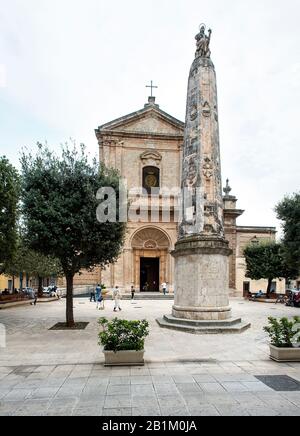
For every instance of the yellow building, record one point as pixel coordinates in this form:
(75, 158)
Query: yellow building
(9, 283)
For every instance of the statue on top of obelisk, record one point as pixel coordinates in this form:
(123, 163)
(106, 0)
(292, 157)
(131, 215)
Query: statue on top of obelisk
(203, 42)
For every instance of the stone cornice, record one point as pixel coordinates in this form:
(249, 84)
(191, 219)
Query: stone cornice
(201, 245)
(234, 212)
(244, 229)
(140, 135)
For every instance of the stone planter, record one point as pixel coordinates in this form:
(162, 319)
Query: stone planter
(284, 354)
(124, 358)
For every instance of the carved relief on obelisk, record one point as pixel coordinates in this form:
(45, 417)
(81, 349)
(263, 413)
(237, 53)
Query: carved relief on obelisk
(201, 182)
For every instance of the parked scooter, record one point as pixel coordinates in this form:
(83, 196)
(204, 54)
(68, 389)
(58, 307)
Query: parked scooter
(294, 299)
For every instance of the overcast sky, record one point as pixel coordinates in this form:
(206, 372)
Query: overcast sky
(68, 66)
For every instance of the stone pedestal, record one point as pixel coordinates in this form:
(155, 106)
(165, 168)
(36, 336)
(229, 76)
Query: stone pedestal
(201, 279)
(201, 288)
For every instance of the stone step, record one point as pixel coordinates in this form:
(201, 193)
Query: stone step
(149, 297)
(204, 330)
(219, 323)
(138, 297)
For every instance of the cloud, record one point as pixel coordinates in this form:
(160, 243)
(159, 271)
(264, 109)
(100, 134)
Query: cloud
(73, 65)
(2, 76)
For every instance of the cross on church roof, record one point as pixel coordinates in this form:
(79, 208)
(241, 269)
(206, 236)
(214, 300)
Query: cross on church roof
(152, 87)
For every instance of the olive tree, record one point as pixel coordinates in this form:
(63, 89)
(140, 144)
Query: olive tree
(59, 209)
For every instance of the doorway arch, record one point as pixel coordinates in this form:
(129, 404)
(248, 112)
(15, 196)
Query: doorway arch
(151, 259)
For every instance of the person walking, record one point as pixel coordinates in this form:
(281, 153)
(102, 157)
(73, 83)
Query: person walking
(117, 297)
(164, 288)
(100, 300)
(54, 292)
(33, 297)
(93, 296)
(132, 292)
(98, 295)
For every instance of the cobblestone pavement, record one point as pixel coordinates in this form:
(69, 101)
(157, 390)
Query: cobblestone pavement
(46, 372)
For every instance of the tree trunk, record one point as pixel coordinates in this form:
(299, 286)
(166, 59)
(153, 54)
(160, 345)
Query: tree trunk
(69, 307)
(21, 281)
(40, 289)
(270, 281)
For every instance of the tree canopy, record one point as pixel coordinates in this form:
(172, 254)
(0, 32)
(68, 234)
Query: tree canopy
(288, 211)
(266, 261)
(59, 209)
(9, 198)
(33, 264)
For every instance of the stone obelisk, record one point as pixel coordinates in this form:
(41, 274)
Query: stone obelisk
(202, 252)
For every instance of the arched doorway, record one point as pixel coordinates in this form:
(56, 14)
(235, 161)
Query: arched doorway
(151, 259)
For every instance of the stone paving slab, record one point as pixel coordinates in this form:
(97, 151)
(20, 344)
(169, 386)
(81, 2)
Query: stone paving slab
(201, 395)
(42, 373)
(147, 391)
(232, 410)
(30, 341)
(203, 411)
(125, 411)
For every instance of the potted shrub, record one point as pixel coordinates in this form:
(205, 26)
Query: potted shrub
(123, 341)
(285, 339)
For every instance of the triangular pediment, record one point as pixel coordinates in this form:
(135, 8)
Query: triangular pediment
(150, 120)
(150, 123)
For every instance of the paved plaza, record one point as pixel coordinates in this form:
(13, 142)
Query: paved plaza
(45, 372)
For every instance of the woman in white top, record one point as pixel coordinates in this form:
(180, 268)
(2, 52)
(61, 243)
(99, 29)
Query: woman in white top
(117, 297)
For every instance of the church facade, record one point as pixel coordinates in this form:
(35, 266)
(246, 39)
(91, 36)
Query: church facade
(146, 148)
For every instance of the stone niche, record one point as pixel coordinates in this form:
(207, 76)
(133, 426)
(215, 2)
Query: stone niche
(151, 158)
